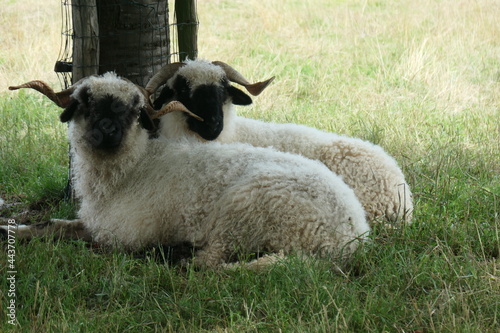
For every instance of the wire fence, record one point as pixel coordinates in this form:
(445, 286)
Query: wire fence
(132, 38)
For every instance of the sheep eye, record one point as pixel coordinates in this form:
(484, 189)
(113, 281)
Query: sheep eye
(137, 100)
(184, 91)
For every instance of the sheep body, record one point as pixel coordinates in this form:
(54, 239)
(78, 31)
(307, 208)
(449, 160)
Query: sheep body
(374, 176)
(222, 199)
(254, 202)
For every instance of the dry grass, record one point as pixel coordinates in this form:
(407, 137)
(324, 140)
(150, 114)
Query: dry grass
(391, 63)
(30, 39)
(442, 45)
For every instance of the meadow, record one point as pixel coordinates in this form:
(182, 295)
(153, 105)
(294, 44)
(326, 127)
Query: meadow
(419, 78)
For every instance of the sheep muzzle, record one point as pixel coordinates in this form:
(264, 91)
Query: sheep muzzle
(106, 133)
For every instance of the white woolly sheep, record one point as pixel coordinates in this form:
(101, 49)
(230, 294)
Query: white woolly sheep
(204, 89)
(137, 191)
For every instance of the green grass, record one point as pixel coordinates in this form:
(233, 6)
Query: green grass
(419, 78)
(34, 147)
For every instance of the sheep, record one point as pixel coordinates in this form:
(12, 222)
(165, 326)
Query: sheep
(203, 88)
(137, 190)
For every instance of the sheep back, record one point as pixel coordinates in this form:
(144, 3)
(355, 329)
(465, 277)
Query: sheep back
(373, 174)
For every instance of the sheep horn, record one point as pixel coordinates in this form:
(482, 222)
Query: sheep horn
(171, 107)
(163, 75)
(234, 76)
(61, 98)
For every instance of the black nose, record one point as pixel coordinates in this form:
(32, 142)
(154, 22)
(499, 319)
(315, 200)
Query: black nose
(105, 134)
(208, 130)
(210, 133)
(107, 126)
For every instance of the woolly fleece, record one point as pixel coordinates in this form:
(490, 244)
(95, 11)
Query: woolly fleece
(373, 174)
(223, 199)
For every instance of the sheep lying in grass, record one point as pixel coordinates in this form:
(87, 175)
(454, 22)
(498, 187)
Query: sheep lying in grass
(137, 191)
(204, 88)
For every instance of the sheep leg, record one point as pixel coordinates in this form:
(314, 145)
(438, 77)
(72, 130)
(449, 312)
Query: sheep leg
(217, 254)
(212, 255)
(259, 264)
(59, 229)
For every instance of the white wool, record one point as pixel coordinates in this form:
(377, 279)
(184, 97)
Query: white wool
(374, 176)
(218, 197)
(199, 72)
(110, 84)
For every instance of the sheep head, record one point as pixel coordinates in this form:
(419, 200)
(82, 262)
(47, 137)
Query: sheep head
(204, 88)
(106, 106)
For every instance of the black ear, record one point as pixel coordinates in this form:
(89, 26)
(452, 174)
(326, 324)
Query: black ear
(68, 113)
(84, 96)
(238, 96)
(165, 95)
(146, 121)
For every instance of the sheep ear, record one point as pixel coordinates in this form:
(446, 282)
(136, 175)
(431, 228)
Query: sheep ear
(146, 121)
(68, 113)
(84, 96)
(166, 95)
(238, 96)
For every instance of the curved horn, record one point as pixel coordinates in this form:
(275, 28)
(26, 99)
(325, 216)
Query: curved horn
(165, 73)
(61, 98)
(234, 76)
(171, 107)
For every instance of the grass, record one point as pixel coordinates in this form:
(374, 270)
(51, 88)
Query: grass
(419, 78)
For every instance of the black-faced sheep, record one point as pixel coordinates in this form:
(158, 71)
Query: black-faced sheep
(137, 191)
(203, 87)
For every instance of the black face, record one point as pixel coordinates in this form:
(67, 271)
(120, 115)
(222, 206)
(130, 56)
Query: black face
(206, 101)
(108, 119)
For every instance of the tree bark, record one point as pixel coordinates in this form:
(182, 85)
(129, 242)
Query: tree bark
(85, 40)
(134, 39)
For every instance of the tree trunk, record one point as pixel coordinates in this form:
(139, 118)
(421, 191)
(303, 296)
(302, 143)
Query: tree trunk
(85, 40)
(133, 36)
